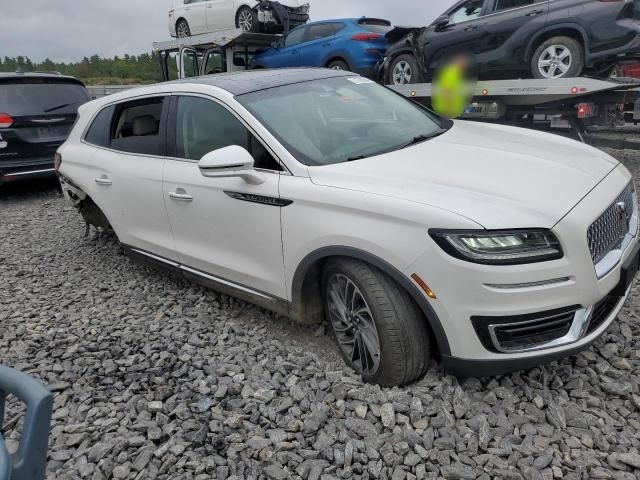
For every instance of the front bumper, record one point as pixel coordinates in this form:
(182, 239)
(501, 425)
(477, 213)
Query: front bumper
(471, 298)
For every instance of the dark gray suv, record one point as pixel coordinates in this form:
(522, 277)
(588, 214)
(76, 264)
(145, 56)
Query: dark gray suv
(37, 112)
(520, 38)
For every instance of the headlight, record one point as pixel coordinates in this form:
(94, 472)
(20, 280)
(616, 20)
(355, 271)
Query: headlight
(306, 8)
(506, 247)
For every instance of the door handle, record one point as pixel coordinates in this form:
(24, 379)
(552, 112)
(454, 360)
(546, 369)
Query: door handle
(209, 6)
(471, 28)
(534, 13)
(104, 181)
(181, 196)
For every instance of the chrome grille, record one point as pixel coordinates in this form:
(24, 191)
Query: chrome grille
(608, 231)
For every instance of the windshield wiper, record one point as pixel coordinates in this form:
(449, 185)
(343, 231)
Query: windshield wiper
(423, 138)
(353, 159)
(53, 109)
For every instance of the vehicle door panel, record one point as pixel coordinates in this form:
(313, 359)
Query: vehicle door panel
(196, 15)
(509, 26)
(459, 37)
(318, 41)
(288, 55)
(128, 188)
(220, 14)
(239, 241)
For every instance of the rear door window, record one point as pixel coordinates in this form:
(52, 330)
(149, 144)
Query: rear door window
(136, 127)
(317, 32)
(34, 97)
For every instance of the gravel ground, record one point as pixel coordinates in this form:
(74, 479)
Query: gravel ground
(157, 378)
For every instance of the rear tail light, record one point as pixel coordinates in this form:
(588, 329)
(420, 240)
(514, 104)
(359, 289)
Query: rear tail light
(366, 37)
(6, 120)
(586, 110)
(57, 161)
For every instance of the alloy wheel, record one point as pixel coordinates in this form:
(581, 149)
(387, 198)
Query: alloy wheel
(183, 30)
(402, 73)
(555, 61)
(353, 324)
(245, 20)
(336, 67)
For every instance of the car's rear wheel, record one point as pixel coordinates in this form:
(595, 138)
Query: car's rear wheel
(182, 29)
(404, 70)
(338, 65)
(558, 57)
(380, 331)
(247, 19)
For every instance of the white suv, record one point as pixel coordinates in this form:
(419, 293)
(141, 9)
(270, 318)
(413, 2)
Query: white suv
(318, 193)
(193, 17)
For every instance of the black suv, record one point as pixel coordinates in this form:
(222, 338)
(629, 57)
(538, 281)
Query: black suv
(37, 112)
(519, 38)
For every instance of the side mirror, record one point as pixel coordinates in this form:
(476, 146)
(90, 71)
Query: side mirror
(441, 22)
(228, 162)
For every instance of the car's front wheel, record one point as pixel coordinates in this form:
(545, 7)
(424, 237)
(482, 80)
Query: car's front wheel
(182, 29)
(558, 57)
(247, 19)
(404, 70)
(381, 333)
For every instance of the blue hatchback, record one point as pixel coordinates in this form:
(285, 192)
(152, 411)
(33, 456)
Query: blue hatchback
(354, 44)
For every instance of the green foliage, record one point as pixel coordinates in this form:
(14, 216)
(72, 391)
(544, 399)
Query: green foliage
(130, 69)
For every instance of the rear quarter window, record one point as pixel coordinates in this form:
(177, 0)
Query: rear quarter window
(99, 133)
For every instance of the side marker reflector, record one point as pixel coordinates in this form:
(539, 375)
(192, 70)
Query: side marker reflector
(424, 286)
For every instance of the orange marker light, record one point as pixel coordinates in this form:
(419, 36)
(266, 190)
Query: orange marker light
(424, 286)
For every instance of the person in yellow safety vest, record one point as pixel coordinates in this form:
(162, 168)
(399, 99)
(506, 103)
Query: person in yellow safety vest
(452, 88)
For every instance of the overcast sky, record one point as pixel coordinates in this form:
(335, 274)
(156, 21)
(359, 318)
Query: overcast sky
(68, 30)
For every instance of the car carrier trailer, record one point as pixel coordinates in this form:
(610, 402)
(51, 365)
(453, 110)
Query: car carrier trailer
(570, 103)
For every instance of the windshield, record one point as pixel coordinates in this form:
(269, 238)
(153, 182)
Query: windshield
(336, 120)
(38, 97)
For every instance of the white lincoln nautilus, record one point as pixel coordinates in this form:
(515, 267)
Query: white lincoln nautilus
(320, 194)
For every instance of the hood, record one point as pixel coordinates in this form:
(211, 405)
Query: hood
(499, 177)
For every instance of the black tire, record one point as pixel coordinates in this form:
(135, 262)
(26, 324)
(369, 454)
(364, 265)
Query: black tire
(182, 29)
(246, 15)
(574, 63)
(338, 65)
(403, 337)
(404, 70)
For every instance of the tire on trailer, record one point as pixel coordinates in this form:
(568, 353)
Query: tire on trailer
(558, 57)
(404, 70)
(182, 29)
(364, 307)
(247, 19)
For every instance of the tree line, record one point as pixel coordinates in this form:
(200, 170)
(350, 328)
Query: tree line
(126, 70)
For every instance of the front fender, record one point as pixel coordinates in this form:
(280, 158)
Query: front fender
(403, 281)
